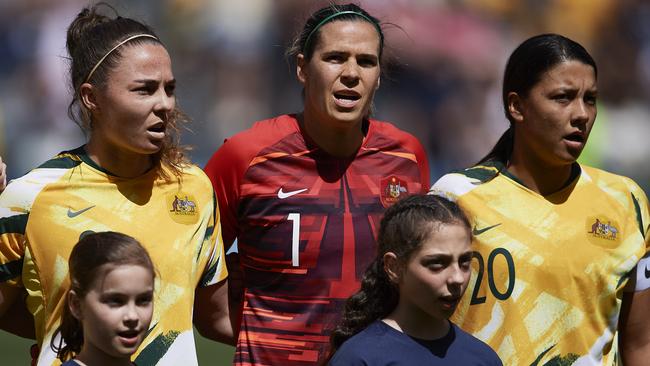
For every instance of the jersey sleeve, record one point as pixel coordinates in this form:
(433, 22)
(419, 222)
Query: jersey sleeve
(214, 269)
(225, 170)
(642, 215)
(413, 145)
(453, 185)
(423, 162)
(13, 222)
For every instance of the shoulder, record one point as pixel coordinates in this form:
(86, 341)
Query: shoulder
(607, 180)
(195, 175)
(625, 190)
(456, 184)
(389, 131)
(261, 134)
(360, 349)
(238, 150)
(22, 192)
(475, 347)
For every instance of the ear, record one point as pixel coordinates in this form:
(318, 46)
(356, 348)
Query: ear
(515, 107)
(378, 82)
(74, 304)
(301, 68)
(87, 95)
(392, 267)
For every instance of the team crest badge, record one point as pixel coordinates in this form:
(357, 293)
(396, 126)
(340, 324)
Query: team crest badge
(183, 208)
(602, 229)
(392, 189)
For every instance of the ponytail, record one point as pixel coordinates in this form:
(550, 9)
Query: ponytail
(69, 334)
(376, 299)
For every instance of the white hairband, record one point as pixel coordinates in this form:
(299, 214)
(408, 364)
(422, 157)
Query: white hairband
(113, 49)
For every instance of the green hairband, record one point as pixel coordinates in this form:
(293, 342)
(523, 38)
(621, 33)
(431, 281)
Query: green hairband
(335, 15)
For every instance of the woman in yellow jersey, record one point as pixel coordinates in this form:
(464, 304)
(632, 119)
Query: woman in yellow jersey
(130, 177)
(559, 274)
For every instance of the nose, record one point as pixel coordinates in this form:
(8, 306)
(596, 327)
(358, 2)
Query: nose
(457, 276)
(581, 112)
(350, 74)
(131, 318)
(165, 104)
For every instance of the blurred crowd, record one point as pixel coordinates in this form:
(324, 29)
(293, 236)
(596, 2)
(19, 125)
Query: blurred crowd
(441, 82)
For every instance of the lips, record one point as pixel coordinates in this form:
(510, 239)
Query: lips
(157, 130)
(575, 141)
(449, 302)
(129, 338)
(346, 98)
(577, 136)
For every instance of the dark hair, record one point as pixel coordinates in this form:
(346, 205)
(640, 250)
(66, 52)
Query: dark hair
(305, 42)
(86, 259)
(90, 37)
(403, 229)
(525, 67)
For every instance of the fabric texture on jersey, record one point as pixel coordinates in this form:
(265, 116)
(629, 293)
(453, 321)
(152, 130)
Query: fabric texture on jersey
(305, 224)
(43, 214)
(548, 280)
(381, 345)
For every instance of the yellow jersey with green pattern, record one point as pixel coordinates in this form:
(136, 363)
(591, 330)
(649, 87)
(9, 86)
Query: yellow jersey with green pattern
(549, 272)
(43, 214)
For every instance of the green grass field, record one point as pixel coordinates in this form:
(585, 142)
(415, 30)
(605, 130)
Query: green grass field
(14, 351)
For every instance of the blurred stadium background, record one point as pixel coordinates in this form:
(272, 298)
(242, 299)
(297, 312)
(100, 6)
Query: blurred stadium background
(443, 80)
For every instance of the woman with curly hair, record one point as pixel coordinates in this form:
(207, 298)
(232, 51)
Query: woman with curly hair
(130, 177)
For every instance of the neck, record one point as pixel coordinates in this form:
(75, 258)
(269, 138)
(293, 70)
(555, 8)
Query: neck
(126, 165)
(538, 175)
(92, 356)
(341, 143)
(416, 323)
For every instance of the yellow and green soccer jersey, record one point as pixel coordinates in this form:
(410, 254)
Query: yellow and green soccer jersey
(549, 271)
(43, 214)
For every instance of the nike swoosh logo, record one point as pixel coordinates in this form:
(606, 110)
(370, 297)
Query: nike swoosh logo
(647, 272)
(283, 195)
(477, 231)
(72, 214)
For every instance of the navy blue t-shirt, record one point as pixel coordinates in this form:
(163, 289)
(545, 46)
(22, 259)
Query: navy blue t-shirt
(379, 344)
(71, 363)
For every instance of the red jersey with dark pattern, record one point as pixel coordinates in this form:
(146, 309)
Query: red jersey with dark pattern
(305, 224)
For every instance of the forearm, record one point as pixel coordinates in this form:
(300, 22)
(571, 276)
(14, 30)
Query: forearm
(14, 317)
(211, 313)
(634, 329)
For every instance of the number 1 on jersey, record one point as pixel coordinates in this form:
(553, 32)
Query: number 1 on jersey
(295, 239)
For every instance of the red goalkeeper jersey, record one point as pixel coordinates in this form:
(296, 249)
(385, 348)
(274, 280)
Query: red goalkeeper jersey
(305, 224)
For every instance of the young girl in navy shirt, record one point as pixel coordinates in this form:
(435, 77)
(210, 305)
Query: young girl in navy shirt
(400, 314)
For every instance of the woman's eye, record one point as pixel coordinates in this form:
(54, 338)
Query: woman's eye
(334, 58)
(591, 100)
(561, 98)
(366, 62)
(143, 91)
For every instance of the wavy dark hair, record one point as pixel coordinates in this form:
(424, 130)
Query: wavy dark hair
(86, 259)
(90, 36)
(525, 67)
(403, 229)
